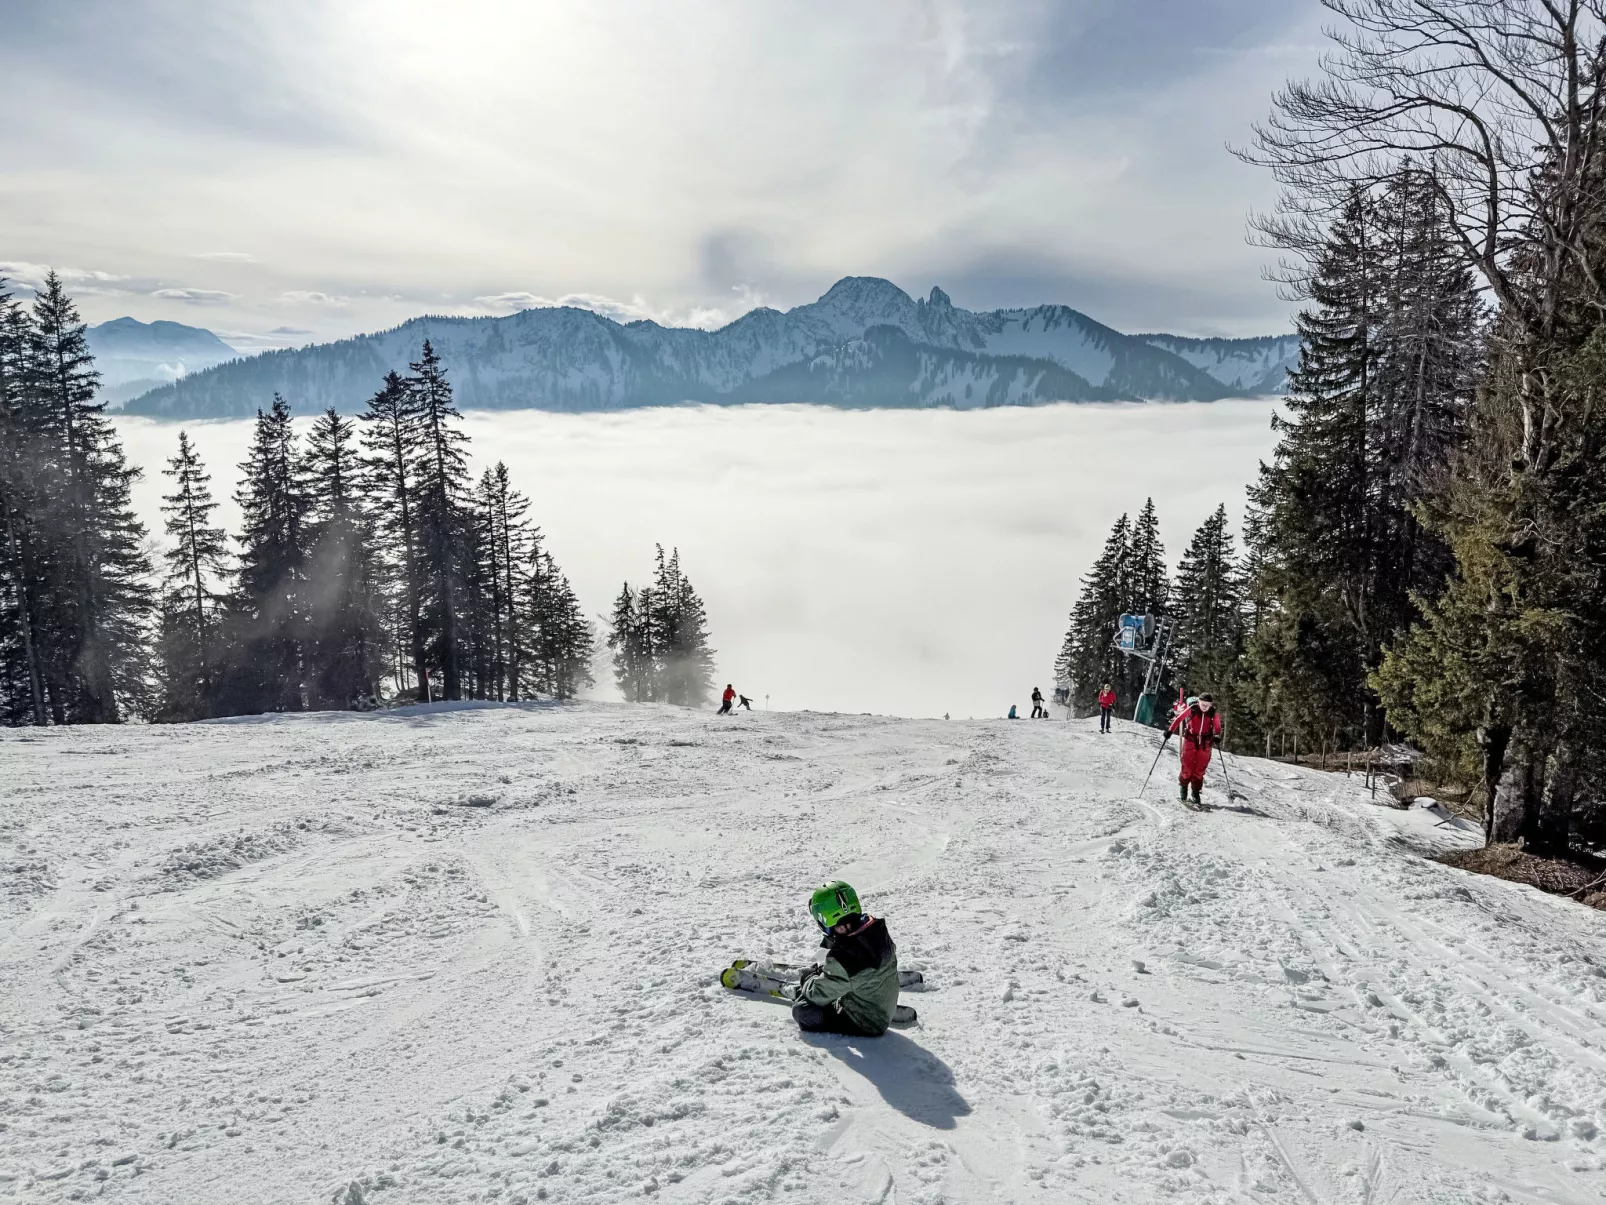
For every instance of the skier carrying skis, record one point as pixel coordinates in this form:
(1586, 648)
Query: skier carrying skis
(727, 699)
(1038, 710)
(1106, 706)
(856, 990)
(1199, 725)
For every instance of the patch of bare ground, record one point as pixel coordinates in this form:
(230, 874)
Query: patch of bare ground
(1582, 878)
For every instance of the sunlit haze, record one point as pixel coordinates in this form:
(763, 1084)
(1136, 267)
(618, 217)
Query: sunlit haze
(289, 171)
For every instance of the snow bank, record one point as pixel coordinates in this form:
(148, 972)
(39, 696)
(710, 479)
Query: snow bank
(472, 959)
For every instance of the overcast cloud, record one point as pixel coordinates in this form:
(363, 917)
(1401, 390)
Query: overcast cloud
(270, 164)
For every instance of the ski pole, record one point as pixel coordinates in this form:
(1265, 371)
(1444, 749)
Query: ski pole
(1150, 774)
(1231, 793)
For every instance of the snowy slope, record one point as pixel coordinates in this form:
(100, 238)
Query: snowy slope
(564, 358)
(467, 955)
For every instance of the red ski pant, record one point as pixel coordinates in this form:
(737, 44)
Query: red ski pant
(1195, 760)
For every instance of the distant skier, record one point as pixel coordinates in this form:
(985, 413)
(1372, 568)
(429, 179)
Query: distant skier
(1199, 726)
(727, 699)
(744, 701)
(856, 990)
(1012, 714)
(1106, 706)
(1038, 710)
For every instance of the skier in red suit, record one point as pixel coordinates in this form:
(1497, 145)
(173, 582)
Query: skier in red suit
(1200, 729)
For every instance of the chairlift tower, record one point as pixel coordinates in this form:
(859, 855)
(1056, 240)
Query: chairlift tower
(1148, 637)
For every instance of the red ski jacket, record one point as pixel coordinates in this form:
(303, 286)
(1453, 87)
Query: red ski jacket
(728, 695)
(1106, 698)
(1198, 727)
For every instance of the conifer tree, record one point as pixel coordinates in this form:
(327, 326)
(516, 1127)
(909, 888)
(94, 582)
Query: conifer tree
(684, 664)
(1088, 657)
(1209, 611)
(267, 611)
(188, 642)
(390, 435)
(344, 625)
(21, 643)
(97, 598)
(632, 662)
(441, 467)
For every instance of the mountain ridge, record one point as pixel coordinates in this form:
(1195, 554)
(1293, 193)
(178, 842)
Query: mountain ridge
(569, 359)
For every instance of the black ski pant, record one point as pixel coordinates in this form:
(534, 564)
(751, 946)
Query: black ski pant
(822, 1018)
(1104, 718)
(724, 707)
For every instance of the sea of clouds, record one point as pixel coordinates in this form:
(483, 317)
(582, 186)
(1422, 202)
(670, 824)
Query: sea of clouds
(891, 561)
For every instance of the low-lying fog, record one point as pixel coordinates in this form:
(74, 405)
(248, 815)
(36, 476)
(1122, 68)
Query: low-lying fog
(911, 562)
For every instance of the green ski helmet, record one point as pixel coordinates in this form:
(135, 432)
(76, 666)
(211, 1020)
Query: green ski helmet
(830, 903)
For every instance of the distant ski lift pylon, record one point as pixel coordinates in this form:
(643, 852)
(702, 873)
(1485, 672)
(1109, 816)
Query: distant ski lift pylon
(1135, 634)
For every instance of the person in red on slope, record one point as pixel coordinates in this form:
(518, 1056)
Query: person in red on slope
(1200, 728)
(727, 699)
(1106, 706)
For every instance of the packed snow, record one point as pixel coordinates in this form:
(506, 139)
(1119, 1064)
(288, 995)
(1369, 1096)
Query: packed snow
(470, 953)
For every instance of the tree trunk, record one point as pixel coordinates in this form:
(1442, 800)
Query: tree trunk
(1492, 739)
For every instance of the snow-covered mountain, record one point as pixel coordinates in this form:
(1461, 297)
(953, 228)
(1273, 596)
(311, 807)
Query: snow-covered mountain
(1249, 367)
(925, 352)
(134, 357)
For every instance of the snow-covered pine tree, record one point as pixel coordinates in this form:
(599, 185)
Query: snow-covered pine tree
(345, 629)
(188, 639)
(266, 611)
(437, 458)
(390, 433)
(96, 597)
(1209, 610)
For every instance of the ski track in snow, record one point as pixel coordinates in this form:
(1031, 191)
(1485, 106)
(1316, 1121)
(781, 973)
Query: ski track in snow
(469, 954)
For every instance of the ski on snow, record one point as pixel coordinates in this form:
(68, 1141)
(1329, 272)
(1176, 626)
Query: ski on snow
(779, 981)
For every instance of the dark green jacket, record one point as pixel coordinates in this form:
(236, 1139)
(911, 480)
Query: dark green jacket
(859, 979)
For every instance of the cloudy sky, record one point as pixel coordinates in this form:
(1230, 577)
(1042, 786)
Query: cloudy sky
(283, 170)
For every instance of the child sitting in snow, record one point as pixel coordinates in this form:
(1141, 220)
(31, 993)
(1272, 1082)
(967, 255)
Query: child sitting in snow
(856, 991)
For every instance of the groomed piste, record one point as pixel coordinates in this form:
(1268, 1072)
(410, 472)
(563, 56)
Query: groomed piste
(471, 954)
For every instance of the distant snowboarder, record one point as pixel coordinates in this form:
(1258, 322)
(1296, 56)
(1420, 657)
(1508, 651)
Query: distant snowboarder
(1199, 726)
(856, 990)
(1106, 706)
(1012, 714)
(744, 701)
(727, 699)
(1038, 710)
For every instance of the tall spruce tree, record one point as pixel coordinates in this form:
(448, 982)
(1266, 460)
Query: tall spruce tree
(188, 640)
(1088, 657)
(1209, 610)
(96, 597)
(679, 625)
(344, 625)
(441, 467)
(390, 435)
(267, 611)
(632, 656)
(1390, 354)
(22, 644)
